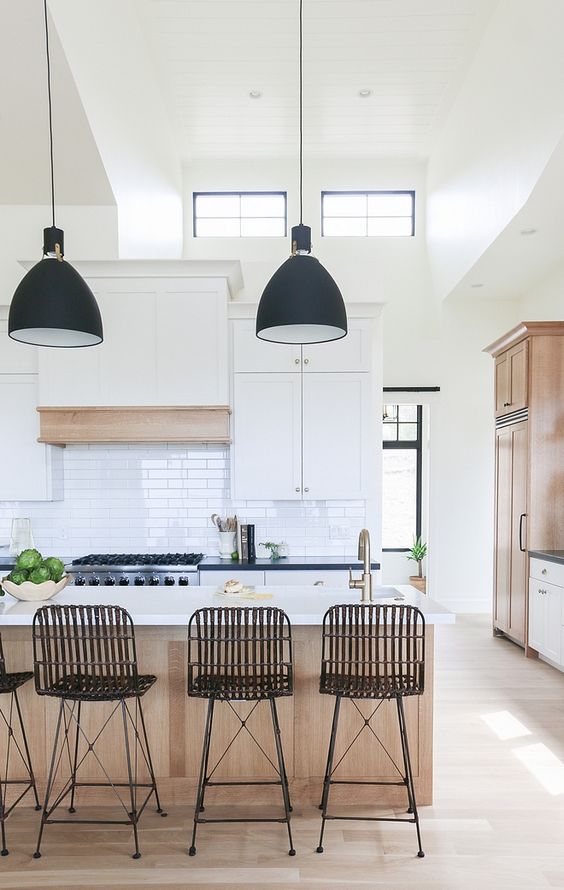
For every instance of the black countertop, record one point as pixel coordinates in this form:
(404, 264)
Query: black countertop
(550, 555)
(214, 563)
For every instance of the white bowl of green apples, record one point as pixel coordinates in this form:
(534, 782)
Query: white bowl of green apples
(34, 579)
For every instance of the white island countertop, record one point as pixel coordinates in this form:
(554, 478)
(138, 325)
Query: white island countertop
(170, 606)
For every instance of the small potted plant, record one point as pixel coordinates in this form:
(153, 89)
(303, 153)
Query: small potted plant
(418, 553)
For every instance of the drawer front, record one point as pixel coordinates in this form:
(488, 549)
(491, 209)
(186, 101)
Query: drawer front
(543, 570)
(323, 578)
(216, 578)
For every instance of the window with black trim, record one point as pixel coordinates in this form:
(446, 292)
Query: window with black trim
(239, 214)
(368, 214)
(402, 463)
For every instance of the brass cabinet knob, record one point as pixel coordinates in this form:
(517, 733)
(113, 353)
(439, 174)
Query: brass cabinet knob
(297, 489)
(306, 489)
(306, 361)
(296, 361)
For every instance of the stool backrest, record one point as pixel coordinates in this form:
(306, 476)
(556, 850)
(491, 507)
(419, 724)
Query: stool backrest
(381, 646)
(2, 660)
(70, 642)
(233, 642)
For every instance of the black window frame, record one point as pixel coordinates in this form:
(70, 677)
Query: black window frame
(417, 446)
(196, 195)
(369, 192)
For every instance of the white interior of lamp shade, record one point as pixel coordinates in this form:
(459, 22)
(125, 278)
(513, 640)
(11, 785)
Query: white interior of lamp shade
(55, 337)
(301, 333)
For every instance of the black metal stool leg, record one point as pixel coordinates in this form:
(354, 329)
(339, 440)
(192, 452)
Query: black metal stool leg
(50, 781)
(75, 759)
(401, 712)
(282, 771)
(132, 782)
(26, 748)
(204, 786)
(329, 770)
(202, 778)
(150, 760)
(404, 754)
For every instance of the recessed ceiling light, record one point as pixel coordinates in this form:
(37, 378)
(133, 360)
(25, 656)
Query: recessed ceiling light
(364, 94)
(477, 284)
(255, 94)
(529, 231)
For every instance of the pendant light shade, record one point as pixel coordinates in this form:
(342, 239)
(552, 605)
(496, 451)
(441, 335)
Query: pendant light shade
(301, 303)
(53, 305)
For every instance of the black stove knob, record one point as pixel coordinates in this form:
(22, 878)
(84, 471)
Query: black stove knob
(123, 582)
(94, 581)
(153, 581)
(169, 580)
(109, 581)
(79, 581)
(139, 581)
(183, 581)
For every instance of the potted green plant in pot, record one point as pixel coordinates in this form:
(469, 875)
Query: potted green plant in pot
(418, 553)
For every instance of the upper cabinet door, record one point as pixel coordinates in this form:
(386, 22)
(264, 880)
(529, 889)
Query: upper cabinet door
(253, 355)
(266, 454)
(511, 379)
(337, 411)
(26, 466)
(518, 375)
(351, 353)
(192, 353)
(502, 385)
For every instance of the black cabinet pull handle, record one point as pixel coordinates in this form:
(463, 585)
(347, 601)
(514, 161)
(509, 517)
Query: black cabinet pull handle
(521, 518)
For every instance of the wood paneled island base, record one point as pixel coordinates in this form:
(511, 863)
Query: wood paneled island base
(175, 725)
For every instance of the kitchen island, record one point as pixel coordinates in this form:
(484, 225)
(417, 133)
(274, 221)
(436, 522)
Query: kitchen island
(175, 722)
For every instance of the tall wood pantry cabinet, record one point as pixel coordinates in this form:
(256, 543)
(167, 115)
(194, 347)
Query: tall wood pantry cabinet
(529, 462)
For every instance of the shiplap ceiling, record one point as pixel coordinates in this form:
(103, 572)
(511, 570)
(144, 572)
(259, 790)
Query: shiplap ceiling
(412, 55)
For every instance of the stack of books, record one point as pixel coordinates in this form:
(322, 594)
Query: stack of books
(246, 542)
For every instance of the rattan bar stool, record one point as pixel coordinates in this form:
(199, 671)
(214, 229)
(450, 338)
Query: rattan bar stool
(86, 654)
(372, 652)
(240, 654)
(9, 685)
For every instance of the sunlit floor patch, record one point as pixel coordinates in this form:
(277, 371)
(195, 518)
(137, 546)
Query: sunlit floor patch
(505, 725)
(544, 766)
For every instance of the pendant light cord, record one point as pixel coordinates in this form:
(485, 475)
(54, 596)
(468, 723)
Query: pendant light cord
(301, 114)
(50, 112)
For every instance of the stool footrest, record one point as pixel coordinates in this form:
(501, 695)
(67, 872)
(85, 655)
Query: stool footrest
(280, 821)
(367, 782)
(251, 782)
(369, 819)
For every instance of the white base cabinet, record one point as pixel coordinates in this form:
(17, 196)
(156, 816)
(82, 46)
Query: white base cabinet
(289, 577)
(546, 609)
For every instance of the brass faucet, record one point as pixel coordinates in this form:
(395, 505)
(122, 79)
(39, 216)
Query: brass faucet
(365, 583)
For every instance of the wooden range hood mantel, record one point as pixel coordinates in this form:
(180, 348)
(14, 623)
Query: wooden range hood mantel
(143, 423)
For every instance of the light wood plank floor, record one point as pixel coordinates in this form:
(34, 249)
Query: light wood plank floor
(494, 823)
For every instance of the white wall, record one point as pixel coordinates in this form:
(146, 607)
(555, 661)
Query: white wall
(90, 233)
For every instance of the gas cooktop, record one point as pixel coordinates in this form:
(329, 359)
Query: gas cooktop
(135, 560)
(138, 569)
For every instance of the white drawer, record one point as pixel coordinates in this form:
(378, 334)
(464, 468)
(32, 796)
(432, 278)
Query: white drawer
(323, 577)
(543, 570)
(217, 577)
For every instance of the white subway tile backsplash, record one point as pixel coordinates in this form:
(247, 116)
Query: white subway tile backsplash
(159, 497)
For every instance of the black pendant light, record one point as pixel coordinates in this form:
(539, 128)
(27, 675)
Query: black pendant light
(301, 303)
(53, 305)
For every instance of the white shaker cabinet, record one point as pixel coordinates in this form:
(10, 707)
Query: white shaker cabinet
(545, 625)
(29, 470)
(336, 414)
(165, 343)
(298, 437)
(267, 437)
